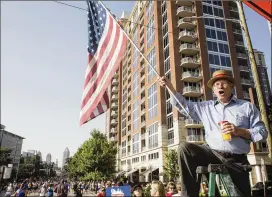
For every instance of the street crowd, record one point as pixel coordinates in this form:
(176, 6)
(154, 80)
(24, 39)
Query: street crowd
(64, 188)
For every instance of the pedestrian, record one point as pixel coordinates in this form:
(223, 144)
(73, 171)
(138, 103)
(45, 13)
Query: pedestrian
(179, 194)
(170, 189)
(230, 125)
(43, 191)
(137, 191)
(9, 190)
(157, 189)
(50, 191)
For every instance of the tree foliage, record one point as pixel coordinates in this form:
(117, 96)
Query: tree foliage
(171, 167)
(95, 159)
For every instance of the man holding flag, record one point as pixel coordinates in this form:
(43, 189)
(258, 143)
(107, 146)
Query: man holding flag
(230, 125)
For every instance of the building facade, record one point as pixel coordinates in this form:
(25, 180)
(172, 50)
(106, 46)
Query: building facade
(48, 158)
(14, 142)
(187, 51)
(263, 76)
(66, 155)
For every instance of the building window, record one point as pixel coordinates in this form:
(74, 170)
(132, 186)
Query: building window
(221, 35)
(136, 118)
(212, 46)
(124, 148)
(223, 48)
(135, 52)
(210, 33)
(135, 84)
(135, 160)
(152, 101)
(135, 143)
(149, 9)
(153, 136)
(171, 137)
(225, 61)
(151, 57)
(143, 158)
(170, 122)
(220, 24)
(150, 33)
(153, 156)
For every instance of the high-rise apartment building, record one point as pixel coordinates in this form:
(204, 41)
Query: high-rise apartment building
(263, 76)
(185, 50)
(48, 158)
(66, 155)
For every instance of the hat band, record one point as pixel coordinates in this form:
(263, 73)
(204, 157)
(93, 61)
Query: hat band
(222, 75)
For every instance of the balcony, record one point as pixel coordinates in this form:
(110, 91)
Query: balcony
(242, 55)
(239, 43)
(113, 139)
(114, 114)
(244, 68)
(186, 23)
(115, 82)
(234, 9)
(114, 106)
(115, 89)
(113, 131)
(188, 49)
(143, 100)
(191, 77)
(142, 112)
(191, 91)
(116, 75)
(114, 97)
(189, 123)
(184, 11)
(195, 138)
(143, 149)
(143, 78)
(245, 82)
(246, 95)
(114, 122)
(143, 123)
(143, 136)
(187, 36)
(185, 3)
(237, 31)
(190, 62)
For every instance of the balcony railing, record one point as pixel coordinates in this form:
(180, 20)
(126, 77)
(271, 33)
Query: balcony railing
(244, 68)
(184, 8)
(246, 95)
(191, 89)
(242, 55)
(240, 43)
(190, 121)
(195, 138)
(190, 74)
(237, 31)
(245, 81)
(188, 46)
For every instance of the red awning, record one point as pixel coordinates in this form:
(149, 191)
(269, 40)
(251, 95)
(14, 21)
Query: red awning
(262, 7)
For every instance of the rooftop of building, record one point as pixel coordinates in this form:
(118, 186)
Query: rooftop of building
(2, 129)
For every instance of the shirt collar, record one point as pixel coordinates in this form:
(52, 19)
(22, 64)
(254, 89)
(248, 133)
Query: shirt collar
(233, 99)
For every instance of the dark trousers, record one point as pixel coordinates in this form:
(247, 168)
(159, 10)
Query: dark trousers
(192, 155)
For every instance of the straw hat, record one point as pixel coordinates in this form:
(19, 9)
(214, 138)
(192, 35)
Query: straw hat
(220, 74)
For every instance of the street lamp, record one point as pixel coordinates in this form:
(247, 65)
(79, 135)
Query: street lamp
(253, 65)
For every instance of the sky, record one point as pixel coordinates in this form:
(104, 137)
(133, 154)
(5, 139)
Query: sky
(43, 62)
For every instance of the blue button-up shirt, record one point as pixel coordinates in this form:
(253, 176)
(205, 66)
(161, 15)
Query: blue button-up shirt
(242, 114)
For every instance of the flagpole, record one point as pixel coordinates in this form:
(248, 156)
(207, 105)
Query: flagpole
(136, 47)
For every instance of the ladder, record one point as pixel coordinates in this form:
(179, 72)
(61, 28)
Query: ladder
(224, 177)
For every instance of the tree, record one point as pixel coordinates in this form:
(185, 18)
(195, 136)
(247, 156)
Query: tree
(95, 159)
(171, 167)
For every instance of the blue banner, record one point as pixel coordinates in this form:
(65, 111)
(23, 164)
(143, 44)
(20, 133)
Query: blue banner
(119, 191)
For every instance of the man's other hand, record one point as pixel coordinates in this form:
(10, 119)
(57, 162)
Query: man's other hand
(165, 82)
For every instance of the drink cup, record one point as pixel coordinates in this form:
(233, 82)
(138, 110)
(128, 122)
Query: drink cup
(225, 136)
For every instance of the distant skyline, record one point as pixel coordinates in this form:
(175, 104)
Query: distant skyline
(43, 62)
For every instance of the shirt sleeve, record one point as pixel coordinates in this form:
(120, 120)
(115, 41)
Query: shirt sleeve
(256, 126)
(193, 108)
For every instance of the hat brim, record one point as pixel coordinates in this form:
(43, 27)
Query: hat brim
(212, 80)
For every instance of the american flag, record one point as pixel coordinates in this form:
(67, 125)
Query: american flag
(106, 47)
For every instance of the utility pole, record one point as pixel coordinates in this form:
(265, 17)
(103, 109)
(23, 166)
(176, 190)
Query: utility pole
(255, 75)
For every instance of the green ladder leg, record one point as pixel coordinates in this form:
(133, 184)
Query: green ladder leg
(212, 184)
(228, 185)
